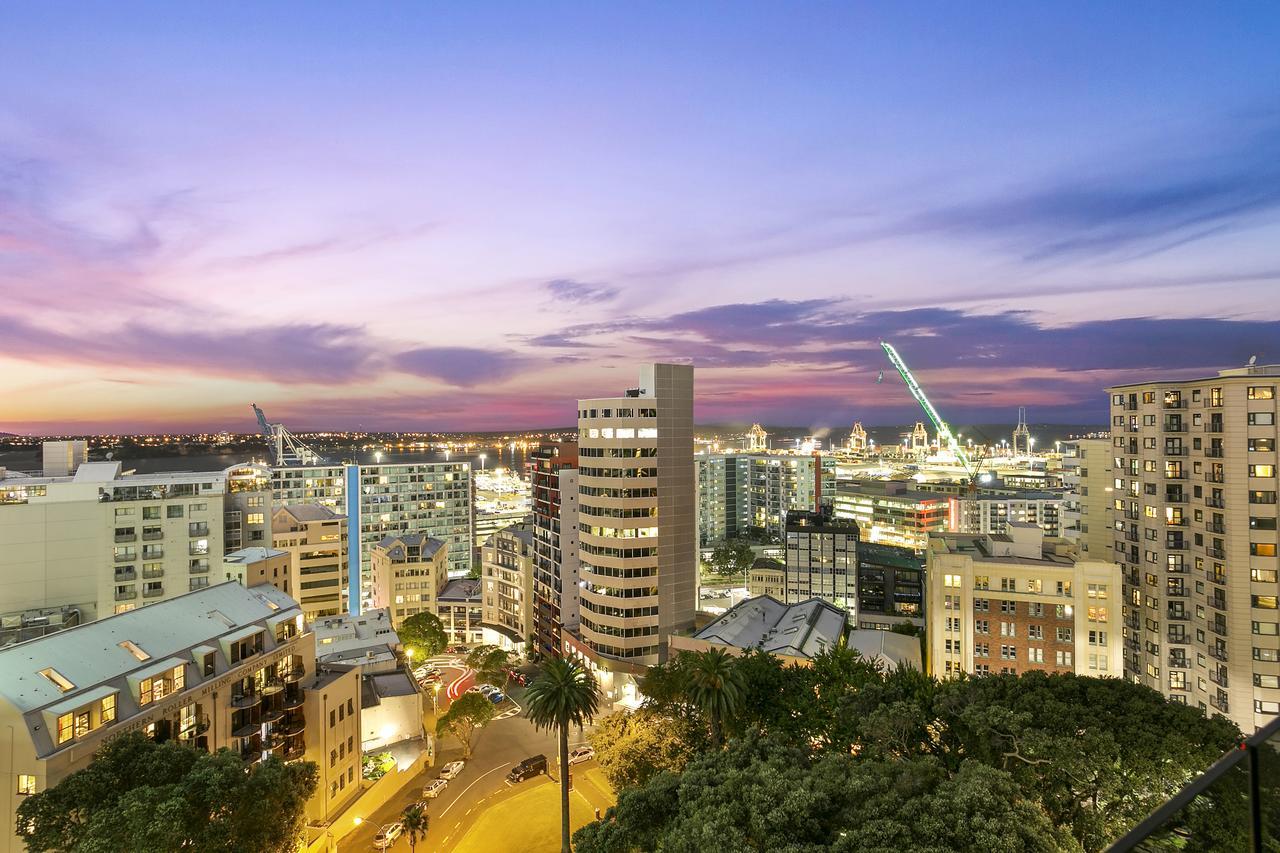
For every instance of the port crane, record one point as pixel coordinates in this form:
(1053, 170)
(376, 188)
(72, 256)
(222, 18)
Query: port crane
(289, 450)
(946, 438)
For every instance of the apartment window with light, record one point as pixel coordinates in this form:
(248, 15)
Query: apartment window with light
(26, 783)
(1261, 392)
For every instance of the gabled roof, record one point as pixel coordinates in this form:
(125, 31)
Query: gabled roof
(797, 630)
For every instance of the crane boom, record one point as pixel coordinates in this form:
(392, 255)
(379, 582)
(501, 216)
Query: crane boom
(262, 421)
(289, 450)
(945, 436)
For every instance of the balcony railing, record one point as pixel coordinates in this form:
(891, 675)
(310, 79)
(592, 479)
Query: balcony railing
(126, 537)
(128, 574)
(1216, 527)
(1218, 678)
(1216, 553)
(153, 593)
(152, 553)
(126, 558)
(1216, 503)
(1214, 452)
(152, 535)
(153, 573)
(126, 594)
(198, 530)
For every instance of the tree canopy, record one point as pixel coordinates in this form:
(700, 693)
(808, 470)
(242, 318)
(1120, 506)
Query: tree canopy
(141, 795)
(491, 664)
(732, 557)
(424, 633)
(466, 714)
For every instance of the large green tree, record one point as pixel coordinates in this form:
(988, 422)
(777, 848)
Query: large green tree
(732, 558)
(564, 694)
(715, 687)
(492, 664)
(424, 633)
(141, 795)
(467, 714)
(631, 748)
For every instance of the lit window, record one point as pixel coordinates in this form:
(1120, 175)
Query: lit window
(108, 708)
(58, 679)
(65, 728)
(133, 649)
(146, 693)
(26, 783)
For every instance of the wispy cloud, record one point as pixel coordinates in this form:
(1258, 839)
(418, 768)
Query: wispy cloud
(462, 366)
(568, 290)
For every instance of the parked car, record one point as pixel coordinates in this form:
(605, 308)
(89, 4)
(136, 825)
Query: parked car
(388, 835)
(496, 697)
(457, 650)
(435, 788)
(453, 768)
(581, 754)
(474, 689)
(488, 689)
(426, 671)
(518, 677)
(527, 769)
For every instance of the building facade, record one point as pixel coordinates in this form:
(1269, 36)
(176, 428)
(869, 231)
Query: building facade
(461, 611)
(890, 586)
(408, 573)
(892, 512)
(1019, 602)
(1194, 526)
(431, 498)
(822, 559)
(223, 666)
(1086, 506)
(103, 541)
(991, 513)
(637, 520)
(257, 565)
(553, 479)
(506, 566)
(315, 537)
(745, 492)
(767, 577)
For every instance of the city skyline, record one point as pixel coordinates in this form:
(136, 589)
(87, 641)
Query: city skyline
(467, 219)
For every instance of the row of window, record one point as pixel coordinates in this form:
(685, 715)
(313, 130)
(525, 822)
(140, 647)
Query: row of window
(618, 413)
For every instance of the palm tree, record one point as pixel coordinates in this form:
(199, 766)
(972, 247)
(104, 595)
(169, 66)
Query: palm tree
(415, 822)
(564, 693)
(715, 687)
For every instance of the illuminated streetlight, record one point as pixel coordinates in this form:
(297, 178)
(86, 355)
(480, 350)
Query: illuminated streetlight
(482, 458)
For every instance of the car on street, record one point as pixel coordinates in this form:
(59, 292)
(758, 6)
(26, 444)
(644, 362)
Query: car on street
(388, 835)
(487, 689)
(474, 689)
(496, 697)
(530, 767)
(581, 754)
(518, 677)
(457, 650)
(453, 768)
(435, 788)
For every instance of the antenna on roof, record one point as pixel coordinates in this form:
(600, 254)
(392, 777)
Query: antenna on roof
(1253, 359)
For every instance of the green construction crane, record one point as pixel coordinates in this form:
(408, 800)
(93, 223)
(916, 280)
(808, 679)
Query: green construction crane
(945, 437)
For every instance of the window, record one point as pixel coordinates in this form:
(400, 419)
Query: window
(1260, 680)
(981, 626)
(350, 708)
(1008, 629)
(1063, 635)
(65, 727)
(1008, 653)
(981, 605)
(1063, 658)
(951, 580)
(981, 582)
(1262, 575)
(174, 511)
(1097, 590)
(58, 679)
(1262, 470)
(108, 708)
(81, 727)
(253, 518)
(1261, 392)
(1262, 445)
(150, 513)
(1262, 419)
(1262, 549)
(26, 783)
(1263, 602)
(1035, 632)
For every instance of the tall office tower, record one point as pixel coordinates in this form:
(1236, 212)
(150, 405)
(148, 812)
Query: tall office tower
(892, 512)
(432, 498)
(1019, 602)
(315, 538)
(637, 525)
(409, 572)
(822, 559)
(1086, 507)
(992, 513)
(1194, 512)
(553, 479)
(222, 667)
(506, 566)
(741, 491)
(62, 458)
(102, 541)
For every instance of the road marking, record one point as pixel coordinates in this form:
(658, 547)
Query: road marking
(469, 787)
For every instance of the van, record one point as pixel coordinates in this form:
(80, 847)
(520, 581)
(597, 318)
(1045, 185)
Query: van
(531, 766)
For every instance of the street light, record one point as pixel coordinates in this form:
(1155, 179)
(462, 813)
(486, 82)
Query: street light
(482, 458)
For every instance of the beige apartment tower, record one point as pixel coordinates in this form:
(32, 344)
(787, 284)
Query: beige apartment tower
(409, 573)
(506, 562)
(1019, 602)
(1086, 506)
(1194, 526)
(315, 538)
(637, 521)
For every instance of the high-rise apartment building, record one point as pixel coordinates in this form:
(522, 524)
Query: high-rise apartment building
(1017, 602)
(822, 559)
(740, 491)
(103, 541)
(409, 571)
(892, 512)
(890, 586)
(315, 538)
(991, 513)
(637, 522)
(506, 566)
(1086, 506)
(553, 480)
(221, 667)
(431, 498)
(1194, 526)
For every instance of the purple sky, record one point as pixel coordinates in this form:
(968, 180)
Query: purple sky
(438, 218)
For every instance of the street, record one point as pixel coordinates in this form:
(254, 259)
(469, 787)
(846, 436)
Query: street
(504, 742)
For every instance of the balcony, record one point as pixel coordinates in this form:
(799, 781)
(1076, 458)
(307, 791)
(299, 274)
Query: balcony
(1213, 427)
(198, 550)
(127, 558)
(1218, 678)
(1214, 452)
(1178, 637)
(126, 537)
(244, 700)
(1216, 527)
(152, 535)
(293, 699)
(271, 712)
(1216, 503)
(1178, 662)
(126, 594)
(126, 574)
(154, 592)
(199, 570)
(294, 725)
(1220, 703)
(1215, 478)
(1216, 553)
(246, 729)
(1178, 617)
(1218, 628)
(153, 573)
(294, 674)
(198, 530)
(295, 749)
(251, 754)
(272, 740)
(272, 686)
(153, 553)
(1219, 654)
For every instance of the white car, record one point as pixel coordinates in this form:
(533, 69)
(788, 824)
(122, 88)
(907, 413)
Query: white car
(388, 835)
(581, 754)
(488, 689)
(453, 768)
(435, 788)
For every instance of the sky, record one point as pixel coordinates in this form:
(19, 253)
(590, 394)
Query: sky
(467, 216)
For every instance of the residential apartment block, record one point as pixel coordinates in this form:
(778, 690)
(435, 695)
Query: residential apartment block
(1194, 526)
(822, 559)
(890, 586)
(315, 537)
(637, 521)
(553, 480)
(431, 498)
(221, 667)
(506, 566)
(103, 540)
(767, 577)
(408, 571)
(738, 492)
(991, 513)
(1018, 602)
(1086, 507)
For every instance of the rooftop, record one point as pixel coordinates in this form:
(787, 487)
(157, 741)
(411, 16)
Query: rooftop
(253, 554)
(90, 654)
(461, 590)
(395, 545)
(797, 630)
(355, 638)
(310, 512)
(891, 649)
(1246, 372)
(1022, 543)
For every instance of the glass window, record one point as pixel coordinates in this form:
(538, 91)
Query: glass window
(108, 708)
(26, 783)
(65, 728)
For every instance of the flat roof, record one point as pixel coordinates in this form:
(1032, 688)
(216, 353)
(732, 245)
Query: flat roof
(1248, 372)
(253, 554)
